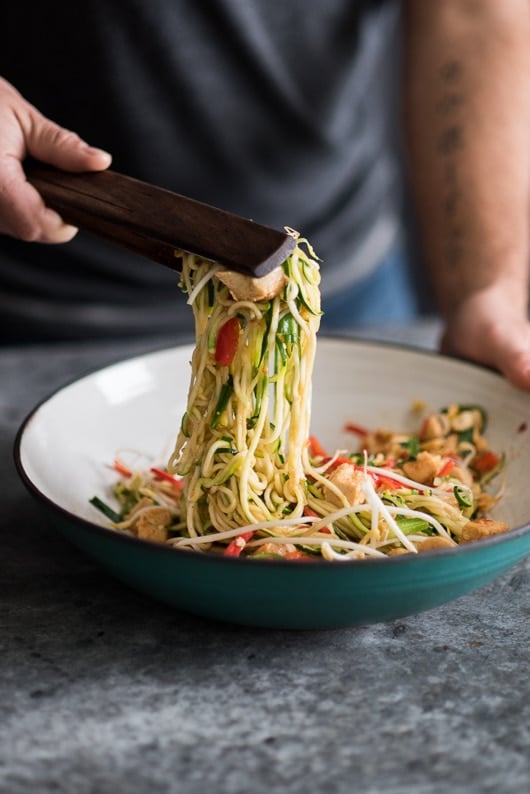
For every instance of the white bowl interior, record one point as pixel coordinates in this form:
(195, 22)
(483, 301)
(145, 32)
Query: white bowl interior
(133, 410)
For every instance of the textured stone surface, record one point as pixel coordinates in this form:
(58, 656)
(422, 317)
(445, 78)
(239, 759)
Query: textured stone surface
(104, 691)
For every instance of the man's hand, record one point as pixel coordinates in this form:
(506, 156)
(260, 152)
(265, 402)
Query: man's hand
(23, 132)
(491, 327)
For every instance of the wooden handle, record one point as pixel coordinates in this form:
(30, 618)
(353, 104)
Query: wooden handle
(155, 222)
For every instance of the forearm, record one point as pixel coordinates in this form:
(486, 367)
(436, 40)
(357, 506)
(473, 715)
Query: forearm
(467, 116)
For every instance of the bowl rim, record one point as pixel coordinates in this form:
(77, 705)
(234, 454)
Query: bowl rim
(404, 559)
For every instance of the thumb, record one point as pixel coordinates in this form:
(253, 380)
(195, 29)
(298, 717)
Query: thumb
(55, 145)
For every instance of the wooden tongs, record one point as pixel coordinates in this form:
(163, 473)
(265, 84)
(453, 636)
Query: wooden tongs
(155, 222)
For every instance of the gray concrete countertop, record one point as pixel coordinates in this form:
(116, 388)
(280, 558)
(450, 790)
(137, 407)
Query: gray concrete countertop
(104, 691)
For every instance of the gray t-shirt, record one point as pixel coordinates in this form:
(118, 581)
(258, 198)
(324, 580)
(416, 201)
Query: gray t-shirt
(276, 111)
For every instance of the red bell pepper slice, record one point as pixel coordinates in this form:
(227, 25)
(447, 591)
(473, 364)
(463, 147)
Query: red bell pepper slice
(316, 450)
(160, 474)
(353, 427)
(227, 342)
(308, 511)
(121, 468)
(486, 462)
(385, 480)
(340, 461)
(447, 468)
(236, 546)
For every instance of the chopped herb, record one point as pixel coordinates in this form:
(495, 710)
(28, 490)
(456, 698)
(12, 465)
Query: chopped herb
(105, 509)
(412, 445)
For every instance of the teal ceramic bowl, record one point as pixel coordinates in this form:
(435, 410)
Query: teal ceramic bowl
(64, 448)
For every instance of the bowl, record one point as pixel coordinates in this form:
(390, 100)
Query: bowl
(64, 448)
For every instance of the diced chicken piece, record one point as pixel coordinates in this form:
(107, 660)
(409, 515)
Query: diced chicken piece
(436, 542)
(424, 468)
(153, 524)
(435, 426)
(443, 445)
(145, 501)
(247, 288)
(397, 552)
(349, 482)
(482, 528)
(384, 442)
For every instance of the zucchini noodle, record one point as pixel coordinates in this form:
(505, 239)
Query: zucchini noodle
(241, 445)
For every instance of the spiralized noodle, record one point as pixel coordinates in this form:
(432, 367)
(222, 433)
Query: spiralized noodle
(241, 447)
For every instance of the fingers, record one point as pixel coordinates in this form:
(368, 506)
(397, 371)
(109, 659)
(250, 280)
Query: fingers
(52, 144)
(47, 141)
(23, 212)
(25, 131)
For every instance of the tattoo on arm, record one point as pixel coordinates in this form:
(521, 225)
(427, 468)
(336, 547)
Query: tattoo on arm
(450, 144)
